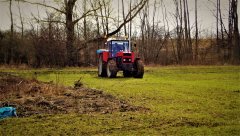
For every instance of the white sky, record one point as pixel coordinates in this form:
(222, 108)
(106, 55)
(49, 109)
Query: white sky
(205, 10)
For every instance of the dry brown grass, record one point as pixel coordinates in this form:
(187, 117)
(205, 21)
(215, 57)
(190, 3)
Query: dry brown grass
(35, 97)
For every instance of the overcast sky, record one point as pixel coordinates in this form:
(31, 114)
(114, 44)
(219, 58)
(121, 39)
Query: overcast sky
(206, 10)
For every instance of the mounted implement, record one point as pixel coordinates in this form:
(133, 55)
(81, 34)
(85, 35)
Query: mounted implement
(116, 57)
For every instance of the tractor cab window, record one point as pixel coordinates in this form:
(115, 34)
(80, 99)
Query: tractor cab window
(119, 46)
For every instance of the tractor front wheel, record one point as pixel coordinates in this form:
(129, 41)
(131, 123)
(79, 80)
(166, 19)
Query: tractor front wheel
(112, 69)
(138, 69)
(102, 72)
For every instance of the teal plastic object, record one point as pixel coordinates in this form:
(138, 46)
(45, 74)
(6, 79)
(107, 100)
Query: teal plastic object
(7, 112)
(101, 50)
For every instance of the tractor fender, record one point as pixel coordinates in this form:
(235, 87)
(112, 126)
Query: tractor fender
(104, 56)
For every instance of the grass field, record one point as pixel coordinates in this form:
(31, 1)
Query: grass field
(183, 100)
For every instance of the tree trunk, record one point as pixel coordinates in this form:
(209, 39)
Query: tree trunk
(11, 35)
(70, 32)
(11, 16)
(130, 24)
(221, 23)
(189, 35)
(186, 31)
(21, 19)
(101, 12)
(196, 34)
(236, 37)
(123, 14)
(84, 21)
(230, 29)
(106, 11)
(218, 50)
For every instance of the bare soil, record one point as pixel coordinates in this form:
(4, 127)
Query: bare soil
(32, 97)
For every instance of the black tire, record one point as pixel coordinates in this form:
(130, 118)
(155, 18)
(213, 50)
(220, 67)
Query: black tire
(138, 69)
(127, 73)
(112, 69)
(102, 67)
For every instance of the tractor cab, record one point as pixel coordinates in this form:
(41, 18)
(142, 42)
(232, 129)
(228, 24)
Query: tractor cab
(116, 57)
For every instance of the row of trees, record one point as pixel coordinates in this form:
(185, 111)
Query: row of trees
(183, 45)
(227, 37)
(73, 30)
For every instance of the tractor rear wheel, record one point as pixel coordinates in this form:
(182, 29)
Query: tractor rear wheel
(102, 67)
(127, 73)
(139, 69)
(112, 69)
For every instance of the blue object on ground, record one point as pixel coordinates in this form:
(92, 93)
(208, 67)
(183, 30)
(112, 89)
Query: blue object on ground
(7, 112)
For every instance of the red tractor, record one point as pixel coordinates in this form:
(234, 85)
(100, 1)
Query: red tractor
(118, 56)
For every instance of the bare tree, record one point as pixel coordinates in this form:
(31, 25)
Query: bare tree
(179, 29)
(118, 17)
(102, 19)
(11, 34)
(21, 19)
(187, 30)
(133, 12)
(107, 12)
(234, 31)
(196, 33)
(124, 18)
(11, 17)
(70, 23)
(94, 4)
(221, 22)
(217, 26)
(85, 20)
(189, 34)
(143, 16)
(130, 24)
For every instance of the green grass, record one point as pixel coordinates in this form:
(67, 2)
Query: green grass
(183, 100)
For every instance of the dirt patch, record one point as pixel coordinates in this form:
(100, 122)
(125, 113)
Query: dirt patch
(35, 97)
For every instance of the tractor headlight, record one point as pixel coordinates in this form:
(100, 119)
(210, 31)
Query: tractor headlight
(124, 59)
(130, 60)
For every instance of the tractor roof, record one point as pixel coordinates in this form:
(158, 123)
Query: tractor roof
(117, 39)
